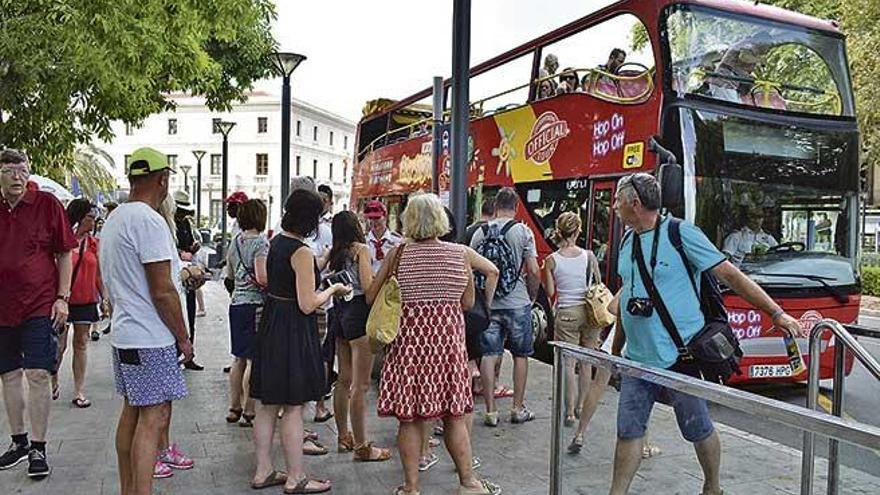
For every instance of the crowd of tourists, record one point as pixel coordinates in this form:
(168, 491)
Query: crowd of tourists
(301, 320)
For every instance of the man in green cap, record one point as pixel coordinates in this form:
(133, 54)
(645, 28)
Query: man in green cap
(139, 264)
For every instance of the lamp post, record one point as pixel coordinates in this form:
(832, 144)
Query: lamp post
(185, 169)
(199, 154)
(285, 63)
(225, 127)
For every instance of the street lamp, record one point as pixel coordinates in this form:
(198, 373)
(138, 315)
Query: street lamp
(199, 154)
(185, 169)
(225, 128)
(285, 63)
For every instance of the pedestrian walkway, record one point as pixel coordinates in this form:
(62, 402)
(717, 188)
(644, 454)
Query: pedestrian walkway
(82, 453)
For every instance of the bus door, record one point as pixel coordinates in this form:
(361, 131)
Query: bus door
(604, 229)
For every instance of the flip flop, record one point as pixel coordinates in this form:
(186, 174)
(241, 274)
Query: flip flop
(275, 478)
(324, 418)
(503, 392)
(81, 402)
(321, 450)
(302, 486)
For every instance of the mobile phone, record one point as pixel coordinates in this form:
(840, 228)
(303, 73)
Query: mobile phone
(129, 356)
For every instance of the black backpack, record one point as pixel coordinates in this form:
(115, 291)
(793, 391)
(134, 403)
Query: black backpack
(494, 247)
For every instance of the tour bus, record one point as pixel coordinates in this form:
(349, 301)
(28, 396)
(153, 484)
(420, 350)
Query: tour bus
(754, 102)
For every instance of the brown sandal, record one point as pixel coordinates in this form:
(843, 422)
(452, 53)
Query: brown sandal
(302, 486)
(275, 478)
(345, 443)
(365, 453)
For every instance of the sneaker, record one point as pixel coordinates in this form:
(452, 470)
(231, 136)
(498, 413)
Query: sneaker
(160, 470)
(193, 366)
(13, 456)
(175, 459)
(522, 415)
(491, 419)
(37, 465)
(427, 462)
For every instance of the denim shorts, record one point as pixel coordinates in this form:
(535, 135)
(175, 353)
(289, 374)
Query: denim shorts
(637, 398)
(32, 345)
(512, 325)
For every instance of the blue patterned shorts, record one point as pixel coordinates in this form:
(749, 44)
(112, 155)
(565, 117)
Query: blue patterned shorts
(153, 377)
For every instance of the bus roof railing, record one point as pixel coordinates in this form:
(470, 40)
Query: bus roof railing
(477, 107)
(852, 432)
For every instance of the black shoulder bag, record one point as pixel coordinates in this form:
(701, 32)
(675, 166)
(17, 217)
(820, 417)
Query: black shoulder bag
(713, 354)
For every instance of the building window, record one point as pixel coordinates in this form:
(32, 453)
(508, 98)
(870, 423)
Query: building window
(331, 138)
(262, 125)
(298, 128)
(215, 126)
(262, 164)
(315, 168)
(216, 164)
(216, 210)
(129, 130)
(331, 170)
(345, 142)
(298, 163)
(172, 126)
(315, 133)
(172, 161)
(345, 172)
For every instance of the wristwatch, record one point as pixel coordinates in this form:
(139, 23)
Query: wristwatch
(61, 297)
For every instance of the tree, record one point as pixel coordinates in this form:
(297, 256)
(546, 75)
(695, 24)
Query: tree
(68, 68)
(93, 168)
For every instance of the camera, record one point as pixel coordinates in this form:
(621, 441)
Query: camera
(640, 306)
(340, 277)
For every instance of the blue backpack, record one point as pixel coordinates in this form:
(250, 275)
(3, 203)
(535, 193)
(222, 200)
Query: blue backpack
(494, 247)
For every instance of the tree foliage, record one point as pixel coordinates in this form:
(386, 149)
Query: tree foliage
(68, 68)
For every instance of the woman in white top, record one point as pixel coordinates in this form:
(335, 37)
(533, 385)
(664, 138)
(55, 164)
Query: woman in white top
(568, 273)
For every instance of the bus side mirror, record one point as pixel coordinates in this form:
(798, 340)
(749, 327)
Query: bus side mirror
(671, 178)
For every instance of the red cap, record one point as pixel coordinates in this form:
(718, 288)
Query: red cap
(374, 209)
(237, 197)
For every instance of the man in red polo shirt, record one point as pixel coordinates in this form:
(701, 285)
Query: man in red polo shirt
(35, 269)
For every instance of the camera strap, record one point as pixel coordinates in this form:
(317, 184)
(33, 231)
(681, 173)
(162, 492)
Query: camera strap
(662, 312)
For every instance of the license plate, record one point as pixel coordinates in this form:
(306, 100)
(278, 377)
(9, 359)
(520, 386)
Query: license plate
(769, 371)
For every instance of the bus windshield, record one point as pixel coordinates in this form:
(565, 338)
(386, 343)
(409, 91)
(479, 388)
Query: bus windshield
(756, 62)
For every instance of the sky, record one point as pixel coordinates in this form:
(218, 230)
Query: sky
(360, 50)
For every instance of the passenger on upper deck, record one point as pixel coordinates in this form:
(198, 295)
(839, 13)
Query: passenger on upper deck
(616, 59)
(551, 65)
(750, 239)
(733, 74)
(568, 81)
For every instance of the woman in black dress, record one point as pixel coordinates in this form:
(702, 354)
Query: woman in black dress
(287, 370)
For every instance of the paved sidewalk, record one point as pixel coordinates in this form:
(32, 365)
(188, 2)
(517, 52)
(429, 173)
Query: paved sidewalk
(81, 446)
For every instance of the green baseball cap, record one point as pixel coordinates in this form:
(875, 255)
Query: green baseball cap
(145, 161)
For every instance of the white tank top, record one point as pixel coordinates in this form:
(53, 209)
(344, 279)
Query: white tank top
(570, 276)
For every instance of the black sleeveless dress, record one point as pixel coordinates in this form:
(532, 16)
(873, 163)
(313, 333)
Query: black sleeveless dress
(287, 367)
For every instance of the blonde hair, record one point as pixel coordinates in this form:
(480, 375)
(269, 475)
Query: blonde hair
(424, 217)
(567, 225)
(167, 209)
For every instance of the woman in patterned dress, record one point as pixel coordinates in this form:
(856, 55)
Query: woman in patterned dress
(425, 374)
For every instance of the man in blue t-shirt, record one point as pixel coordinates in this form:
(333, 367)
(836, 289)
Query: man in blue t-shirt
(637, 202)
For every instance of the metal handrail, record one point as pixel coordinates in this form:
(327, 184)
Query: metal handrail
(817, 422)
(845, 341)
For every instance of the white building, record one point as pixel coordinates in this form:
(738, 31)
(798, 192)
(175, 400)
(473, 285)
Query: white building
(322, 146)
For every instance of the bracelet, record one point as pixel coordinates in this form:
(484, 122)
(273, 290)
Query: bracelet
(776, 314)
(60, 297)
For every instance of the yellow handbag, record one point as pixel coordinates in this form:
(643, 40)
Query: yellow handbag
(597, 299)
(383, 324)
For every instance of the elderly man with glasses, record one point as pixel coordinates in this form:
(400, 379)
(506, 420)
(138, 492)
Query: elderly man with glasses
(35, 269)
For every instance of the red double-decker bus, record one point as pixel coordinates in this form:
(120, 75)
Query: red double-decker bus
(754, 101)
